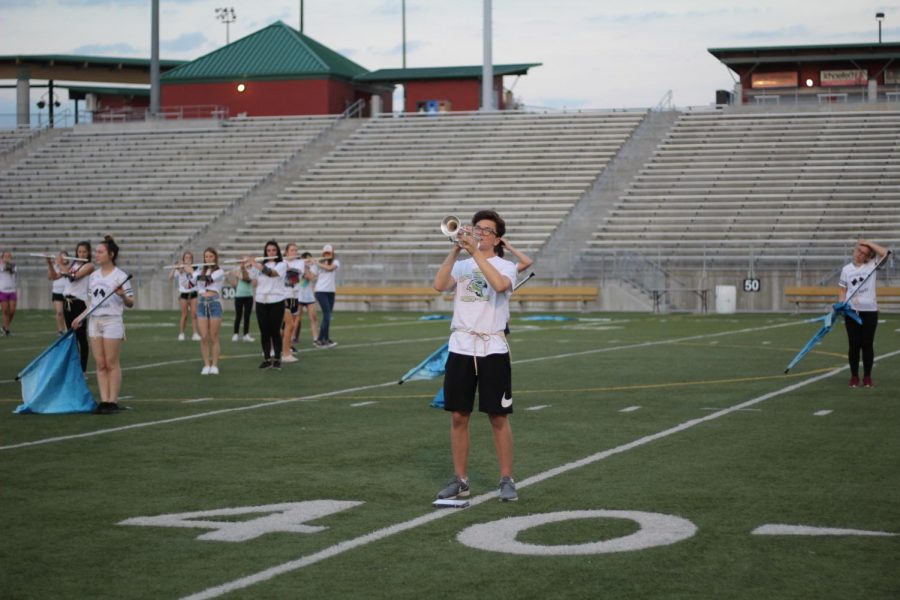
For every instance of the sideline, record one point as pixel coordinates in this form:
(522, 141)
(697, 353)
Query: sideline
(386, 532)
(366, 387)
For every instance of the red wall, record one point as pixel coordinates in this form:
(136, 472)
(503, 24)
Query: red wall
(463, 94)
(266, 98)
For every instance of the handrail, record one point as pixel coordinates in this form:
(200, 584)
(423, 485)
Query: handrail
(354, 110)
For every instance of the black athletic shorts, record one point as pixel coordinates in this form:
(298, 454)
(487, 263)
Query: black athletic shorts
(493, 381)
(58, 298)
(188, 295)
(291, 305)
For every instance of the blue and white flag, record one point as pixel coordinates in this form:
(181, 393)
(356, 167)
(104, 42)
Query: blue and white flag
(53, 383)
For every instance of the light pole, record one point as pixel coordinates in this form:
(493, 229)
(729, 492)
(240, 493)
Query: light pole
(879, 16)
(227, 16)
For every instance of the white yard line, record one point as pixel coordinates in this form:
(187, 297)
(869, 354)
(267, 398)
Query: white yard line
(386, 532)
(212, 413)
(370, 402)
(538, 407)
(629, 409)
(338, 392)
(822, 413)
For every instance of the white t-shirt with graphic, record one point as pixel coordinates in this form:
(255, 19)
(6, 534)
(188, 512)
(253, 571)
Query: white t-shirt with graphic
(292, 277)
(102, 286)
(186, 282)
(851, 278)
(209, 282)
(479, 312)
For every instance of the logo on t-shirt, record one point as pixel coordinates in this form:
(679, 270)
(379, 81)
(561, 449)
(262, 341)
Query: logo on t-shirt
(476, 288)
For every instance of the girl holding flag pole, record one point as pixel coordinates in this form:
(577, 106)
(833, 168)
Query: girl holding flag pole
(109, 292)
(858, 281)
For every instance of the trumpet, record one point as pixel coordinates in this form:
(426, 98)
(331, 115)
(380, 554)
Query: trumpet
(453, 229)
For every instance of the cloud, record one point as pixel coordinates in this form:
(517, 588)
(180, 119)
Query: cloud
(793, 32)
(117, 49)
(184, 42)
(662, 15)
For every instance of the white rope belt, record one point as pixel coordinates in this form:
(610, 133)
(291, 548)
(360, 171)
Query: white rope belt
(485, 339)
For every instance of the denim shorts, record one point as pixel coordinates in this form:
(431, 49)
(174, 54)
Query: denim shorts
(209, 307)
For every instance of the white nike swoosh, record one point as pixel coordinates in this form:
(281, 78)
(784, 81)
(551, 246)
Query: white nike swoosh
(505, 402)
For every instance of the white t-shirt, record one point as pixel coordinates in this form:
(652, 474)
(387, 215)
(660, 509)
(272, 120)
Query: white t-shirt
(270, 289)
(186, 283)
(852, 276)
(215, 281)
(102, 286)
(58, 286)
(79, 287)
(7, 278)
(328, 279)
(479, 309)
(292, 276)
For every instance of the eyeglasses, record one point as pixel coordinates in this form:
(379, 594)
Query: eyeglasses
(483, 230)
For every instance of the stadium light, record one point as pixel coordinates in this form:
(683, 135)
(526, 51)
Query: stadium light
(241, 87)
(227, 16)
(809, 83)
(879, 16)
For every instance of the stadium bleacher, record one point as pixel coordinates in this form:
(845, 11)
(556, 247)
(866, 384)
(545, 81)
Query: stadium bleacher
(777, 187)
(154, 188)
(384, 190)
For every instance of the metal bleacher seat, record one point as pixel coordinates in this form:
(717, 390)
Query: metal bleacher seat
(773, 185)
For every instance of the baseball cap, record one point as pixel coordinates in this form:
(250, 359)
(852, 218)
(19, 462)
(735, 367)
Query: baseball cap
(327, 248)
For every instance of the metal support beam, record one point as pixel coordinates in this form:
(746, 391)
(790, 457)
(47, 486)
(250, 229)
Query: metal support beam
(154, 58)
(487, 68)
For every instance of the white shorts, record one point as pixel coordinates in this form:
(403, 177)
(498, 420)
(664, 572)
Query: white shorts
(111, 327)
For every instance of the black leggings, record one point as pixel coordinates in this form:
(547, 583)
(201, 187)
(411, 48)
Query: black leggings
(242, 309)
(861, 337)
(270, 317)
(72, 307)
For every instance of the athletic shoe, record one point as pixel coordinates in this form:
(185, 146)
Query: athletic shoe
(289, 358)
(276, 364)
(247, 338)
(180, 337)
(330, 344)
(508, 490)
(293, 348)
(265, 364)
(854, 381)
(235, 338)
(196, 337)
(107, 408)
(867, 381)
(319, 344)
(205, 370)
(456, 488)
(214, 370)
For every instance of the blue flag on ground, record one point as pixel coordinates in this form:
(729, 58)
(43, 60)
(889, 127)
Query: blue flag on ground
(430, 368)
(53, 383)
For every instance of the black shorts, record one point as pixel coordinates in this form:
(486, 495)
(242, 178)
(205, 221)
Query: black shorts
(290, 305)
(494, 383)
(188, 295)
(59, 298)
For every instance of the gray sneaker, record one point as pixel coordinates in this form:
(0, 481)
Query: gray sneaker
(508, 490)
(456, 488)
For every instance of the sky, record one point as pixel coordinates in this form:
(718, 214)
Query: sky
(594, 53)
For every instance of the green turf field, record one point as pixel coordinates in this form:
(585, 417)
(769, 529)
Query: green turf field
(684, 423)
